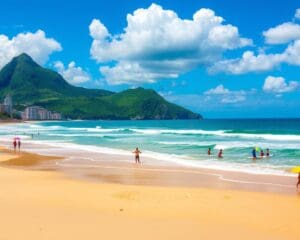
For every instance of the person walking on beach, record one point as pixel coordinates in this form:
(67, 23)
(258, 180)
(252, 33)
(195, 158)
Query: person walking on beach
(220, 155)
(254, 154)
(19, 144)
(137, 155)
(209, 152)
(15, 144)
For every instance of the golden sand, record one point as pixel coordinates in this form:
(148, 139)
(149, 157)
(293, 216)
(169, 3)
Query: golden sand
(40, 205)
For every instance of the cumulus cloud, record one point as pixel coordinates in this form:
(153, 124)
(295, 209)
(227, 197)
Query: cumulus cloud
(279, 85)
(288, 32)
(225, 95)
(249, 62)
(219, 90)
(157, 44)
(297, 14)
(37, 45)
(73, 74)
(283, 33)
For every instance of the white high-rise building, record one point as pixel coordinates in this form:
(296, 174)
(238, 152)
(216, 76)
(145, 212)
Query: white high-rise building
(39, 113)
(8, 105)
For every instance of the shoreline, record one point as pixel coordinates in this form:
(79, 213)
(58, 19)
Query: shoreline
(119, 169)
(151, 158)
(177, 159)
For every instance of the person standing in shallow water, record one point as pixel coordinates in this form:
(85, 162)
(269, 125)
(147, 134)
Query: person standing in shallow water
(209, 152)
(254, 154)
(220, 155)
(268, 152)
(262, 154)
(137, 155)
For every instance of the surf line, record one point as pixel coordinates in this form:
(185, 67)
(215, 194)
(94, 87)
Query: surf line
(219, 176)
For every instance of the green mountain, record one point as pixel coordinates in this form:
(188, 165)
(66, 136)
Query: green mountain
(30, 84)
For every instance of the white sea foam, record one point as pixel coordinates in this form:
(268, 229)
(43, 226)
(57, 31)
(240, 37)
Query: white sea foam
(75, 135)
(274, 137)
(221, 133)
(235, 144)
(187, 143)
(171, 131)
(81, 147)
(104, 130)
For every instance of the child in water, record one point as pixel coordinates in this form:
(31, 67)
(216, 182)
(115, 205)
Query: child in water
(268, 152)
(209, 152)
(262, 154)
(220, 155)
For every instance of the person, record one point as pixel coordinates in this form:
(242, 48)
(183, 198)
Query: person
(254, 154)
(298, 183)
(15, 144)
(220, 155)
(262, 154)
(137, 155)
(209, 152)
(19, 144)
(268, 152)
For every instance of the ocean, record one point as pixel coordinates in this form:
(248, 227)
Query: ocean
(183, 142)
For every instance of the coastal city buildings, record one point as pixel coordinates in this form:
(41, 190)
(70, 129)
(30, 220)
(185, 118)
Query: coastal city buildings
(30, 112)
(39, 113)
(7, 106)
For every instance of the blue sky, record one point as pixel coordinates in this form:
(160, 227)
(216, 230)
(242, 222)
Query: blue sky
(219, 58)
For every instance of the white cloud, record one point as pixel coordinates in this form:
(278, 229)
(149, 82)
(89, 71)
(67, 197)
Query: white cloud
(37, 45)
(73, 74)
(132, 72)
(279, 85)
(248, 63)
(283, 33)
(233, 99)
(297, 14)
(292, 54)
(224, 95)
(288, 32)
(217, 91)
(259, 63)
(157, 44)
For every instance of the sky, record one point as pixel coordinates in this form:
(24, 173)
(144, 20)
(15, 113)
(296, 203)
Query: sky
(222, 59)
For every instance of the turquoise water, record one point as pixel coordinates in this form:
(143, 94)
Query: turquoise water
(184, 142)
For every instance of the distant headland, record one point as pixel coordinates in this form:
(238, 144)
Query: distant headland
(42, 94)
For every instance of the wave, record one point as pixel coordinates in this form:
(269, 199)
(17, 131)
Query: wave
(246, 145)
(273, 137)
(154, 131)
(171, 131)
(163, 158)
(187, 143)
(221, 133)
(105, 130)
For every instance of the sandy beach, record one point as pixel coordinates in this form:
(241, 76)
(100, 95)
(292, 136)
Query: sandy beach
(39, 204)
